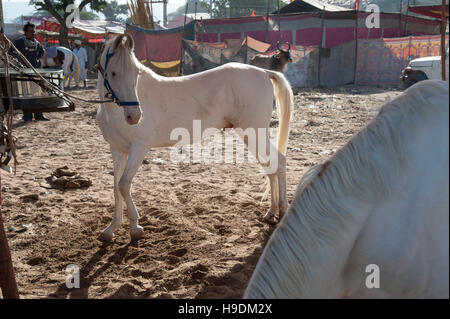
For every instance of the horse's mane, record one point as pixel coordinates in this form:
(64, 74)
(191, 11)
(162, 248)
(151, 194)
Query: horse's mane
(328, 194)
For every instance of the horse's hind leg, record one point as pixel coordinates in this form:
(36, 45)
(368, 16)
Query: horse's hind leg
(135, 157)
(274, 164)
(283, 203)
(274, 207)
(119, 160)
(269, 166)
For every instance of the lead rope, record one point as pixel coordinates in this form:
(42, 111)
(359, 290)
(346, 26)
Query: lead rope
(9, 118)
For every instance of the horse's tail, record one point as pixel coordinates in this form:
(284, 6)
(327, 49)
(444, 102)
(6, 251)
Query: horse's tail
(285, 100)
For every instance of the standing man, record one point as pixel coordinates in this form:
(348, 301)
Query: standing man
(81, 54)
(33, 51)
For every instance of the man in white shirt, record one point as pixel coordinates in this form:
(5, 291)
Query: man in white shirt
(81, 54)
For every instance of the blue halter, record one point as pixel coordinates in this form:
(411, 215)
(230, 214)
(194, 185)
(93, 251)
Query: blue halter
(109, 88)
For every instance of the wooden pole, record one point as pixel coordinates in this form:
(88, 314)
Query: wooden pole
(195, 10)
(279, 22)
(443, 27)
(322, 32)
(184, 26)
(405, 30)
(2, 26)
(151, 10)
(7, 279)
(211, 9)
(356, 44)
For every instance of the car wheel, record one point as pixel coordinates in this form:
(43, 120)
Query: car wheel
(408, 82)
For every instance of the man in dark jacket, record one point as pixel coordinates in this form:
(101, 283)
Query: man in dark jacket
(33, 51)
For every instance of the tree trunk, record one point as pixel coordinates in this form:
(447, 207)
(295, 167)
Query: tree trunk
(64, 36)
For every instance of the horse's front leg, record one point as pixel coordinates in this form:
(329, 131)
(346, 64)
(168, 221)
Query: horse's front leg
(135, 158)
(119, 161)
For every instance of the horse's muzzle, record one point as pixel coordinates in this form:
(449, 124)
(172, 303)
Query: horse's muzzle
(132, 115)
(132, 120)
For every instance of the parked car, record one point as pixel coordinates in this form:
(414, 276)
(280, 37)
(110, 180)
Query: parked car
(428, 68)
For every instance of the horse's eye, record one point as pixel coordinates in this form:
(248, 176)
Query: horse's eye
(113, 74)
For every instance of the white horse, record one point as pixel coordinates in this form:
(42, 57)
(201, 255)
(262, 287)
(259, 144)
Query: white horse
(65, 59)
(233, 95)
(373, 220)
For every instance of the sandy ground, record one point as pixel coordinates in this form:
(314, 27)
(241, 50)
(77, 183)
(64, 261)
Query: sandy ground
(203, 223)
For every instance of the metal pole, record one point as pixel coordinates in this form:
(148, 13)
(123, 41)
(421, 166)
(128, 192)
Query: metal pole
(165, 13)
(443, 27)
(266, 34)
(195, 11)
(7, 279)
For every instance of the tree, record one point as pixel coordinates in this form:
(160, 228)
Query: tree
(114, 11)
(57, 8)
(84, 15)
(202, 6)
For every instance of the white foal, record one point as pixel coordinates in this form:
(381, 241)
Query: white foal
(377, 212)
(233, 95)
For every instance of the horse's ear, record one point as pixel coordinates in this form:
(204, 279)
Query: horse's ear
(118, 41)
(129, 42)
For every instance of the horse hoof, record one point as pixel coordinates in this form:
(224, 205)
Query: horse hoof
(270, 218)
(105, 237)
(137, 234)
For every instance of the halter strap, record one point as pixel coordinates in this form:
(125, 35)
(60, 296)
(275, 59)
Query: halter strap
(108, 86)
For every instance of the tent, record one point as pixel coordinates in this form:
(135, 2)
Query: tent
(92, 30)
(179, 21)
(429, 11)
(13, 30)
(201, 56)
(309, 6)
(328, 29)
(160, 49)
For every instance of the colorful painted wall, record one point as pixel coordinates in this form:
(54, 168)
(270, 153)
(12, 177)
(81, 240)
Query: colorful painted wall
(381, 61)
